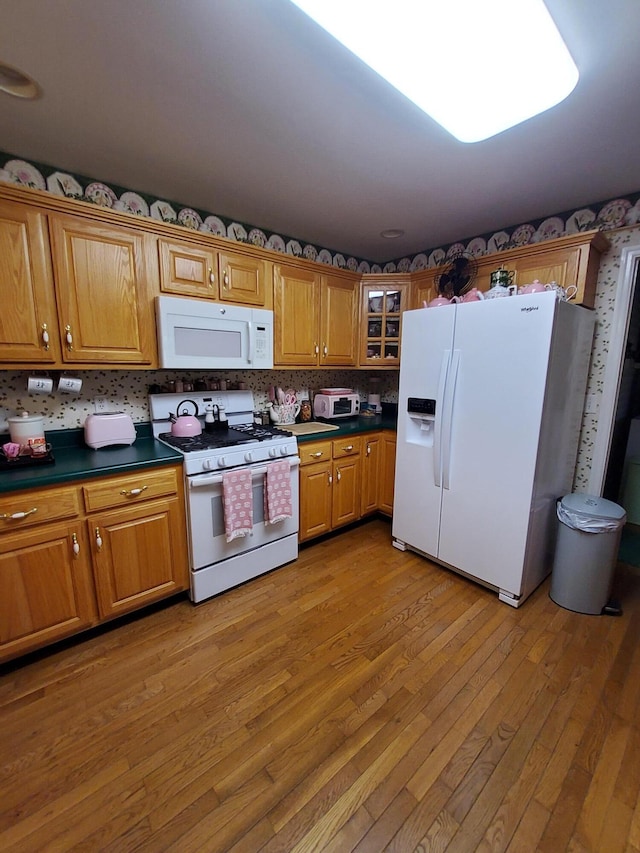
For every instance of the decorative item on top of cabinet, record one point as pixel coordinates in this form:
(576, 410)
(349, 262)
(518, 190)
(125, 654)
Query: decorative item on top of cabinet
(315, 317)
(567, 260)
(201, 269)
(104, 275)
(29, 318)
(383, 298)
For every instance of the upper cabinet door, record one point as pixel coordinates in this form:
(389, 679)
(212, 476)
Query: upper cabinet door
(28, 320)
(188, 269)
(103, 287)
(241, 278)
(296, 299)
(339, 325)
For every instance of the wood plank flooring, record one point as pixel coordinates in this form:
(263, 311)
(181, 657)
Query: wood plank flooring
(360, 699)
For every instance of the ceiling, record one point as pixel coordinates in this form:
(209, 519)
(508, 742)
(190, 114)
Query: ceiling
(246, 109)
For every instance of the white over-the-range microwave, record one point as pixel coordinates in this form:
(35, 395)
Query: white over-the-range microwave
(196, 333)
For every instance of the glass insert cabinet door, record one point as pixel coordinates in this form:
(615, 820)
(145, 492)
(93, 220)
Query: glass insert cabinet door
(382, 307)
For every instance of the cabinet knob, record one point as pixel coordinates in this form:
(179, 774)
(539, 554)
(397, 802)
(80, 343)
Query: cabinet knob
(338, 475)
(225, 279)
(330, 479)
(325, 350)
(368, 449)
(98, 539)
(68, 337)
(133, 493)
(212, 277)
(76, 545)
(316, 349)
(348, 448)
(45, 337)
(316, 455)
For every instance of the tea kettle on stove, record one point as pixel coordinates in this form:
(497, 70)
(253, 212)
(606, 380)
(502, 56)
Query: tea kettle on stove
(183, 424)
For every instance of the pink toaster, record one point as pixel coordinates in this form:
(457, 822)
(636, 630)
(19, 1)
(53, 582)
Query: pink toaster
(108, 428)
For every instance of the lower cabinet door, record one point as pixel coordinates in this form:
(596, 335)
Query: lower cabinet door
(371, 448)
(139, 555)
(315, 500)
(46, 590)
(346, 491)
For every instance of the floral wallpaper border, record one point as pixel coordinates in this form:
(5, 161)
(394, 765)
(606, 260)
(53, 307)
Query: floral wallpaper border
(605, 216)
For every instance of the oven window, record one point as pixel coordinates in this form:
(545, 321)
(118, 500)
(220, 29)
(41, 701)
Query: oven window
(342, 406)
(225, 343)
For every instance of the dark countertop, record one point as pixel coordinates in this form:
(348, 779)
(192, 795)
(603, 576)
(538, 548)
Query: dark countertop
(354, 426)
(75, 461)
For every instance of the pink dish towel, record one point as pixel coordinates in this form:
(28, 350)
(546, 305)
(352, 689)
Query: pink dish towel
(277, 492)
(237, 498)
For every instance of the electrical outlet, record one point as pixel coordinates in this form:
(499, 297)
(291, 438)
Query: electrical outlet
(101, 404)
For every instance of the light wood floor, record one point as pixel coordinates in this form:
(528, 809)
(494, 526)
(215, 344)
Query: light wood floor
(359, 699)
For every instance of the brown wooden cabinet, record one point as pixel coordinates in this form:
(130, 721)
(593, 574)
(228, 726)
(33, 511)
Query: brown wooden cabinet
(102, 277)
(199, 269)
(329, 485)
(315, 317)
(371, 471)
(74, 556)
(382, 301)
(28, 319)
(387, 472)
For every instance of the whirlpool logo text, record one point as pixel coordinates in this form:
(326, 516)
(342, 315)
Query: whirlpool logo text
(528, 308)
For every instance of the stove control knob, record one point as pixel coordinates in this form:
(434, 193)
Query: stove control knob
(248, 457)
(283, 451)
(221, 462)
(206, 465)
(273, 452)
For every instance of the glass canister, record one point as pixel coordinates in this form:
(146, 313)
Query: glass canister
(305, 411)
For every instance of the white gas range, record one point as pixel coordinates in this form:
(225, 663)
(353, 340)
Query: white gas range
(218, 564)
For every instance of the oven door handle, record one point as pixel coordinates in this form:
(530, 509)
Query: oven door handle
(201, 481)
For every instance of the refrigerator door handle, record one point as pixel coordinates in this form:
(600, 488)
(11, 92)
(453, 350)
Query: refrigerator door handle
(447, 426)
(437, 429)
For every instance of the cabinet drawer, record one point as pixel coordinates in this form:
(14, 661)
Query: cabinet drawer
(345, 447)
(24, 509)
(135, 488)
(314, 451)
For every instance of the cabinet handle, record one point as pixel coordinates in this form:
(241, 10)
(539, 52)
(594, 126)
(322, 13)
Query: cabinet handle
(76, 546)
(68, 337)
(348, 448)
(133, 493)
(45, 337)
(325, 350)
(316, 455)
(212, 277)
(368, 449)
(16, 516)
(330, 478)
(316, 349)
(338, 475)
(225, 278)
(98, 539)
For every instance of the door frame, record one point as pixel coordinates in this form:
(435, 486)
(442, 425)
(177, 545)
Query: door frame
(629, 260)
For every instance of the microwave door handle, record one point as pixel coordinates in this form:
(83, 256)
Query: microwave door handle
(250, 354)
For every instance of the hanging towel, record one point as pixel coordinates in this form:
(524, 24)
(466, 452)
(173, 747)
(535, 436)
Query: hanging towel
(237, 498)
(277, 492)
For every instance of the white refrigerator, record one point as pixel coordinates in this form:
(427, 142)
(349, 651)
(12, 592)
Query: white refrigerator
(489, 415)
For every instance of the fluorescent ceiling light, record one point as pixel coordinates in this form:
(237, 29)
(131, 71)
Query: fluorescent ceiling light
(477, 67)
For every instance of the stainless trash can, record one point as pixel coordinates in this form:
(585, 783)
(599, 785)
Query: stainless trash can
(586, 552)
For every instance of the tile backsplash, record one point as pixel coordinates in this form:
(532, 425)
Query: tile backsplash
(127, 390)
